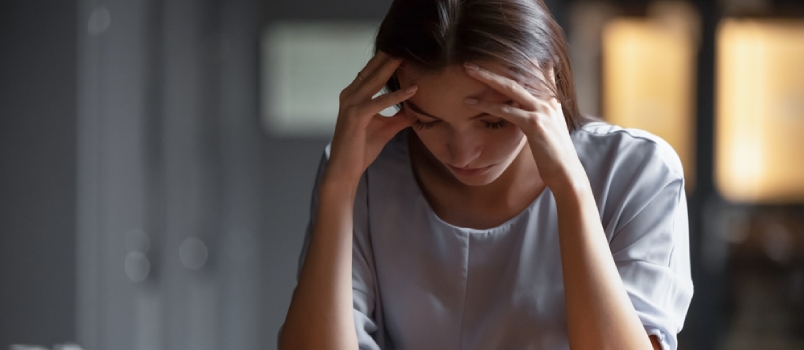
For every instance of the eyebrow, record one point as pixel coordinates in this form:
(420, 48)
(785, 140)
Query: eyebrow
(416, 109)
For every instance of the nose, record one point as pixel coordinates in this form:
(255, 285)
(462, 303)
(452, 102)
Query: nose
(464, 148)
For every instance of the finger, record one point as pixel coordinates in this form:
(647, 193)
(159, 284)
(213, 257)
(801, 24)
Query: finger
(374, 63)
(384, 101)
(504, 85)
(378, 78)
(517, 116)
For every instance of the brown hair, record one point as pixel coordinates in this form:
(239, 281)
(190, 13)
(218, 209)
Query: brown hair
(520, 34)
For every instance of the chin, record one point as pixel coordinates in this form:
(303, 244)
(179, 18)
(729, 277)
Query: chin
(479, 180)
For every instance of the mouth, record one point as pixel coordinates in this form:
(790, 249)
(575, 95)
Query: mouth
(468, 171)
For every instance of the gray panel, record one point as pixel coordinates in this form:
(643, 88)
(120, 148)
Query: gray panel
(110, 167)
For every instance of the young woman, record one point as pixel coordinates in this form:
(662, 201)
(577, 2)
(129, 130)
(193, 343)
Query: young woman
(488, 213)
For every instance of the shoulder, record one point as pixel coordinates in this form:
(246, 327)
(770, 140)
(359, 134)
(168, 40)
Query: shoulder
(628, 169)
(606, 148)
(390, 166)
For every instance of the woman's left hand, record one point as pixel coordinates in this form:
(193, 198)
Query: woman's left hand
(542, 122)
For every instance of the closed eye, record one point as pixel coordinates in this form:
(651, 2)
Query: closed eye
(495, 125)
(422, 125)
(419, 125)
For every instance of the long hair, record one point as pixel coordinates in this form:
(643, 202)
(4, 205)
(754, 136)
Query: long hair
(521, 35)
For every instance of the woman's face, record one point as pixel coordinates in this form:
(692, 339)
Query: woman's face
(475, 147)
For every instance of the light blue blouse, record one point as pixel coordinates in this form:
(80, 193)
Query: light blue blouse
(421, 283)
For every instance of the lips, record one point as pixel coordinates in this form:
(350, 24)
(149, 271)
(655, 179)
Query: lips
(468, 171)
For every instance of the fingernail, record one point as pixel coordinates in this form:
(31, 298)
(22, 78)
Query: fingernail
(470, 66)
(411, 89)
(471, 101)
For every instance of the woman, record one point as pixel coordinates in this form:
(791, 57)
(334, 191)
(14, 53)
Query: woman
(488, 213)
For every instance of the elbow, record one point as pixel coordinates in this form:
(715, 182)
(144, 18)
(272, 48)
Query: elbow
(281, 344)
(290, 342)
(290, 339)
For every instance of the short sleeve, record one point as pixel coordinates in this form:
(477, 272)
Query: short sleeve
(650, 243)
(363, 276)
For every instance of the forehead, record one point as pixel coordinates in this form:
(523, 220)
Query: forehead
(448, 85)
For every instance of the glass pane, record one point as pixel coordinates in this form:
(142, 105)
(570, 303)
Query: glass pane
(760, 111)
(305, 65)
(648, 79)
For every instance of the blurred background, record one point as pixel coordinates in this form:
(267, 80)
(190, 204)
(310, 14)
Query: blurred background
(157, 157)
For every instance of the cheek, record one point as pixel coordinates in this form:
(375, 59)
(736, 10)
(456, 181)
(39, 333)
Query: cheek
(503, 144)
(434, 140)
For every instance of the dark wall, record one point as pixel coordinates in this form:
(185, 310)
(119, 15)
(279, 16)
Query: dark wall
(37, 171)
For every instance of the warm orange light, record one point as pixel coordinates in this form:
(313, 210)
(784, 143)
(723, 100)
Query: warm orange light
(759, 147)
(648, 81)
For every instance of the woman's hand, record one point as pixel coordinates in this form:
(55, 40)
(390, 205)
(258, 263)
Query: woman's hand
(542, 122)
(360, 131)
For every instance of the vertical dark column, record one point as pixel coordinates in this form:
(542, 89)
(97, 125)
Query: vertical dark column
(37, 171)
(242, 227)
(559, 10)
(707, 317)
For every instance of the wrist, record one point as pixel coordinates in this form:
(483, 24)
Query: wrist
(332, 185)
(572, 183)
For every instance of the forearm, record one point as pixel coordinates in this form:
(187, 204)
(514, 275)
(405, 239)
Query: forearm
(320, 314)
(599, 313)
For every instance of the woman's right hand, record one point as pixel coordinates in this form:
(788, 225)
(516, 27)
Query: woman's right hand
(360, 131)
